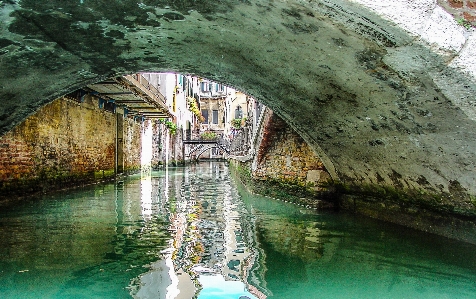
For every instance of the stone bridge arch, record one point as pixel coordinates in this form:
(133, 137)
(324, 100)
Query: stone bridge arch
(383, 91)
(196, 149)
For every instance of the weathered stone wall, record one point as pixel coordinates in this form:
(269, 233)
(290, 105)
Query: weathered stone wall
(176, 147)
(158, 140)
(64, 141)
(284, 167)
(132, 144)
(284, 156)
(166, 147)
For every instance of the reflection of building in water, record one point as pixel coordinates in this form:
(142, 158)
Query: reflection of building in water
(225, 224)
(293, 239)
(283, 244)
(254, 267)
(146, 196)
(212, 235)
(209, 241)
(166, 278)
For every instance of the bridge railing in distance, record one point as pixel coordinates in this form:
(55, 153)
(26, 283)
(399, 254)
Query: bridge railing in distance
(196, 136)
(195, 144)
(224, 143)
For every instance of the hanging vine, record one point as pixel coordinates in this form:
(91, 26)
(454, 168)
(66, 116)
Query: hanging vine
(193, 107)
(169, 125)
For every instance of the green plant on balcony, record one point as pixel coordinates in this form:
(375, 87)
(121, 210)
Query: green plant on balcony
(238, 122)
(193, 107)
(208, 135)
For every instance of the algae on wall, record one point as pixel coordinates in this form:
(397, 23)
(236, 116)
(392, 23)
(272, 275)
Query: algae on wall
(63, 144)
(287, 190)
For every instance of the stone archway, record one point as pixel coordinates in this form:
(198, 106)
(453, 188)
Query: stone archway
(383, 92)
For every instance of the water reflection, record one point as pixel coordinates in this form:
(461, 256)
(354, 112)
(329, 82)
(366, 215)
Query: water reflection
(86, 243)
(306, 255)
(215, 286)
(204, 221)
(209, 254)
(192, 232)
(146, 195)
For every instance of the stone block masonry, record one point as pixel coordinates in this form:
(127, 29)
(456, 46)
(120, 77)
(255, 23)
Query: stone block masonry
(63, 144)
(132, 145)
(284, 156)
(285, 167)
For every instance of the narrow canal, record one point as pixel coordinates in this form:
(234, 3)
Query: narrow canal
(195, 232)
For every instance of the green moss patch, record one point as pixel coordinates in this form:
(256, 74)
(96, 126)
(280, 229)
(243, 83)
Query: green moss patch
(293, 191)
(456, 202)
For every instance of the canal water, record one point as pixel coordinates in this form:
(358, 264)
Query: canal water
(193, 231)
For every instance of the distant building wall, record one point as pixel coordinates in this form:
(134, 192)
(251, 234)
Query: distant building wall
(167, 148)
(214, 108)
(236, 108)
(158, 145)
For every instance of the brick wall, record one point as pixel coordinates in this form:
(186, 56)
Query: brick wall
(64, 142)
(461, 9)
(285, 157)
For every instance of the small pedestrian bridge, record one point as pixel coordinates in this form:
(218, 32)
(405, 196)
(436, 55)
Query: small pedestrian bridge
(195, 146)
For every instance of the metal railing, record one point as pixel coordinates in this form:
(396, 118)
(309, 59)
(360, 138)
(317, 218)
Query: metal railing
(197, 144)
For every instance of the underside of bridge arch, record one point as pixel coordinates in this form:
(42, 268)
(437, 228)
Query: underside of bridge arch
(383, 92)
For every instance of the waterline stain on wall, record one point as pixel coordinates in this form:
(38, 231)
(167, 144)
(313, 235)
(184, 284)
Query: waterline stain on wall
(64, 143)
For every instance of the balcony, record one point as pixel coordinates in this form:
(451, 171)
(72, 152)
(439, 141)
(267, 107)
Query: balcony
(134, 94)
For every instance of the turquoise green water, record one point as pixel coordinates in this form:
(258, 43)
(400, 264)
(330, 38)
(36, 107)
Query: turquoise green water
(132, 238)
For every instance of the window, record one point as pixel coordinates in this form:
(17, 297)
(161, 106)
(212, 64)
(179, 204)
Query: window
(205, 86)
(219, 87)
(238, 112)
(259, 107)
(215, 117)
(205, 116)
